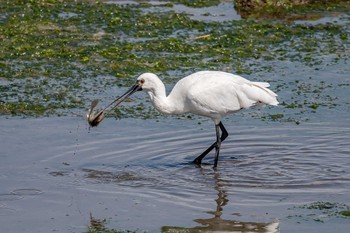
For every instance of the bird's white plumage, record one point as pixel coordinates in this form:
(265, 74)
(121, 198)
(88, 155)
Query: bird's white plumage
(212, 94)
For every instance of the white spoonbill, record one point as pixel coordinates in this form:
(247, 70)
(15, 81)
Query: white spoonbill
(213, 94)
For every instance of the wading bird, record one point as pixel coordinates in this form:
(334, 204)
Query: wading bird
(212, 94)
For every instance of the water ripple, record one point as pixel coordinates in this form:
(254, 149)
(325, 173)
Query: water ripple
(311, 157)
(143, 166)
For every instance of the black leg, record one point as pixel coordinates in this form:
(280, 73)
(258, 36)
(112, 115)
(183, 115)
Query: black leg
(216, 144)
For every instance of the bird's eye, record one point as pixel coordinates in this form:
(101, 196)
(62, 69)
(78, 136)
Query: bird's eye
(142, 81)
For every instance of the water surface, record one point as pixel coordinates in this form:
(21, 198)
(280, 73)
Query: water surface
(138, 175)
(275, 165)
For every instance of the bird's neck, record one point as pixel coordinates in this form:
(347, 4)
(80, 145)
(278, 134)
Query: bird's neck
(161, 102)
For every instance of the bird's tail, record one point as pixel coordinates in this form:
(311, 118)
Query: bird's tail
(256, 92)
(262, 84)
(266, 96)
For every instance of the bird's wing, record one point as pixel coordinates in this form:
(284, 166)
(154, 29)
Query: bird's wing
(251, 93)
(223, 98)
(262, 84)
(217, 93)
(213, 98)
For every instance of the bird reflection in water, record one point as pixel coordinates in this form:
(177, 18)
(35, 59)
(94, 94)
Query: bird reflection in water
(218, 224)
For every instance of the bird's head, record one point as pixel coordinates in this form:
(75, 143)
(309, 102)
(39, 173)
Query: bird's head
(148, 82)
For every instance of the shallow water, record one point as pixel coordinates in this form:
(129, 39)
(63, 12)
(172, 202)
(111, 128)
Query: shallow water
(224, 11)
(138, 175)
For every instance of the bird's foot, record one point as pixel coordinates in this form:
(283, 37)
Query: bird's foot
(196, 161)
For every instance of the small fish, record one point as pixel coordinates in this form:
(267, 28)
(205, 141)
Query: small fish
(93, 119)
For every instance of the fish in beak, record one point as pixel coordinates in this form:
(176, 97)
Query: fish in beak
(95, 119)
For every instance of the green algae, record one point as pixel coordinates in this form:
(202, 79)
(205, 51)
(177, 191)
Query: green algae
(198, 3)
(345, 213)
(322, 211)
(55, 55)
(99, 226)
(290, 9)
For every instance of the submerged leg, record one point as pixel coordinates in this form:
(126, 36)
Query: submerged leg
(216, 144)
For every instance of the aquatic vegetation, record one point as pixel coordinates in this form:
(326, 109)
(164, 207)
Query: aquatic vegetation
(198, 3)
(345, 213)
(56, 57)
(98, 226)
(321, 211)
(288, 9)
